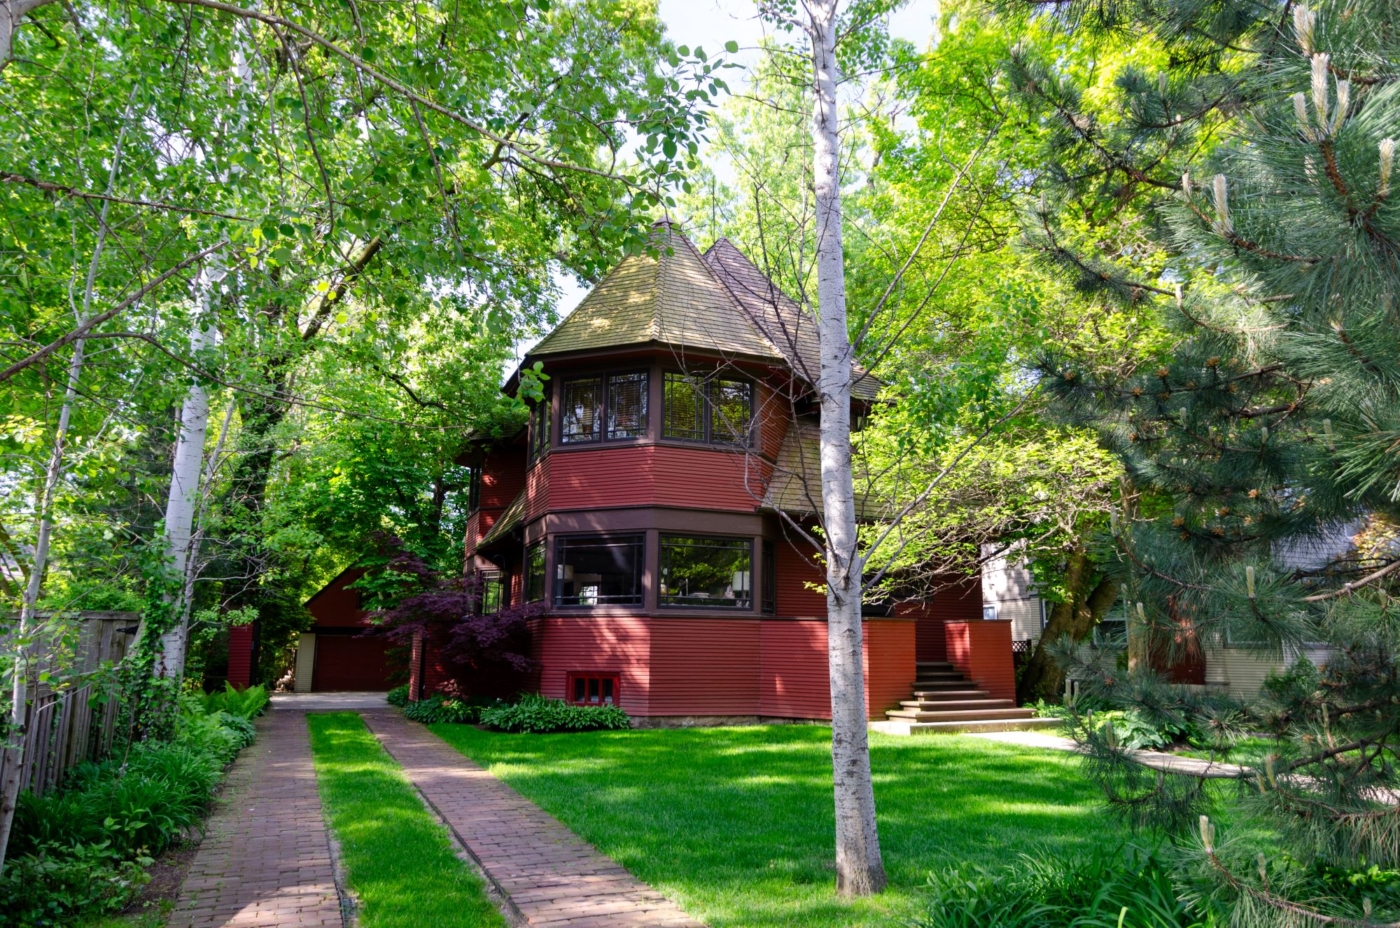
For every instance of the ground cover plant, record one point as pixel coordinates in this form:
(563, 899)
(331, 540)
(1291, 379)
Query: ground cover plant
(83, 849)
(736, 824)
(399, 861)
(442, 708)
(536, 714)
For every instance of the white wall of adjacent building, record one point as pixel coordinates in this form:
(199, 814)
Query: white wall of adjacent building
(1008, 594)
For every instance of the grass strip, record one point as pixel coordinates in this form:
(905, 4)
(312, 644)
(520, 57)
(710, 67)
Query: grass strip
(398, 859)
(736, 824)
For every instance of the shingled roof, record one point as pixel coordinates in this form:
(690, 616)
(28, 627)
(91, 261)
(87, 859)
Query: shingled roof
(785, 325)
(669, 298)
(719, 302)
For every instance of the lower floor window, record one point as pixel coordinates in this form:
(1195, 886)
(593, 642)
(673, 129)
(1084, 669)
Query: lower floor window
(590, 689)
(599, 571)
(713, 572)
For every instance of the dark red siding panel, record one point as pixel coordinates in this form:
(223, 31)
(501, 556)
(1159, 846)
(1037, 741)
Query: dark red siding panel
(982, 651)
(538, 489)
(644, 475)
(240, 656)
(960, 600)
(704, 667)
(336, 605)
(889, 664)
(601, 477)
(795, 682)
(613, 644)
(502, 477)
(713, 479)
(798, 566)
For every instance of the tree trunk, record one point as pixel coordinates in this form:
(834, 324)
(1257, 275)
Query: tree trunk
(184, 491)
(859, 868)
(19, 692)
(1090, 597)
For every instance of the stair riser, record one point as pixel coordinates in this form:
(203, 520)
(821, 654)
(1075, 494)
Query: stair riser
(941, 695)
(953, 705)
(969, 715)
(954, 728)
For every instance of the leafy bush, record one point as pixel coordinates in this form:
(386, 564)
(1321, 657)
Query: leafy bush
(81, 849)
(536, 714)
(247, 704)
(1133, 728)
(442, 708)
(50, 886)
(398, 696)
(1103, 891)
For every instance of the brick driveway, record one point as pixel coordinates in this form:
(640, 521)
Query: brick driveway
(265, 859)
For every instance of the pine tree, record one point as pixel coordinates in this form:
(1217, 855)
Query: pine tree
(1264, 152)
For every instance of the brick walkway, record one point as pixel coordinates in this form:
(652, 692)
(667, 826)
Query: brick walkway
(552, 877)
(265, 859)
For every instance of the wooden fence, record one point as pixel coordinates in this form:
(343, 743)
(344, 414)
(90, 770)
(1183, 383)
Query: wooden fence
(65, 727)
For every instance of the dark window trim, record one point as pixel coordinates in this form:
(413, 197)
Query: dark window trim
(604, 379)
(640, 540)
(770, 578)
(707, 408)
(661, 556)
(529, 594)
(573, 677)
(474, 489)
(502, 582)
(538, 438)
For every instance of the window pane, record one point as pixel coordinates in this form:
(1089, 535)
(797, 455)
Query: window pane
(599, 571)
(729, 412)
(539, 428)
(714, 572)
(581, 417)
(770, 579)
(580, 684)
(627, 406)
(534, 572)
(685, 408)
(492, 591)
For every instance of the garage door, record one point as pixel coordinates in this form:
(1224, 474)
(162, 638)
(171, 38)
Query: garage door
(350, 663)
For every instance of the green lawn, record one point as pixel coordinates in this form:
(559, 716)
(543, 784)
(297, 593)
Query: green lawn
(736, 823)
(398, 859)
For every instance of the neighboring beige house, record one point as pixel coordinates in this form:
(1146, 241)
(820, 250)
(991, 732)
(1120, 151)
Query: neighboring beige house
(1008, 594)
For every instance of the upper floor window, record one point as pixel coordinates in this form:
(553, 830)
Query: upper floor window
(612, 407)
(539, 429)
(599, 571)
(710, 572)
(493, 592)
(534, 572)
(718, 410)
(474, 489)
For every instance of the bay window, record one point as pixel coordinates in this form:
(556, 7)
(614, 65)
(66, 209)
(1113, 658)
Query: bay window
(627, 406)
(534, 572)
(718, 410)
(581, 411)
(599, 570)
(715, 573)
(619, 400)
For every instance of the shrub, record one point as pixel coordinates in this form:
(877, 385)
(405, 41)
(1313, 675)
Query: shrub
(442, 708)
(1102, 891)
(398, 696)
(81, 849)
(536, 714)
(247, 704)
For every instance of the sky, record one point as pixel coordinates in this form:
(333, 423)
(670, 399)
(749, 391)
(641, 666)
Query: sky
(709, 24)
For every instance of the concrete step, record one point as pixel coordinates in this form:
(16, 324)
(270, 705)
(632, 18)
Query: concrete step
(950, 705)
(904, 727)
(952, 684)
(940, 675)
(933, 665)
(940, 695)
(960, 715)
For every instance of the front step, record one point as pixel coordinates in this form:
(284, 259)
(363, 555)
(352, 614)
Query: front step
(960, 715)
(946, 701)
(952, 705)
(902, 727)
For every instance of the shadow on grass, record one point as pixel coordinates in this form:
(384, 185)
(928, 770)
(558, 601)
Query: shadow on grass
(398, 860)
(737, 824)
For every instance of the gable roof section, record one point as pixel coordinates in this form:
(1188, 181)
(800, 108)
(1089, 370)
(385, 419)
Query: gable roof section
(670, 298)
(796, 485)
(790, 329)
(510, 519)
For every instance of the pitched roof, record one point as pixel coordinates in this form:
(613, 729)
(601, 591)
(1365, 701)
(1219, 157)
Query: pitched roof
(508, 522)
(796, 485)
(785, 325)
(668, 298)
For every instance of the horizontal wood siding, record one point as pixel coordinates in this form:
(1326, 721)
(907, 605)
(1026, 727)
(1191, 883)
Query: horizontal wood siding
(794, 683)
(653, 475)
(889, 664)
(982, 651)
(797, 566)
(774, 414)
(704, 667)
(335, 605)
(502, 478)
(538, 489)
(614, 644)
(960, 600)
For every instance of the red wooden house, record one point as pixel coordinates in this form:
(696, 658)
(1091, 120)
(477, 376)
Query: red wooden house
(645, 505)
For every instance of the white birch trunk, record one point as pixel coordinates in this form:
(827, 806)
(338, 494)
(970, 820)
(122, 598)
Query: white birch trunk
(183, 498)
(859, 868)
